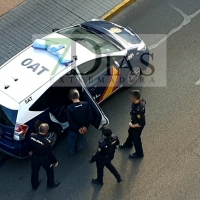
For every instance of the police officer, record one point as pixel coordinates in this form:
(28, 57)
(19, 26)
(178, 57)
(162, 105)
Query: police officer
(41, 155)
(136, 125)
(105, 155)
(79, 117)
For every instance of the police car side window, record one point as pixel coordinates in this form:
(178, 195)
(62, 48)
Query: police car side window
(42, 103)
(93, 68)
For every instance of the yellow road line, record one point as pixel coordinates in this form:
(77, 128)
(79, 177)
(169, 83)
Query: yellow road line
(117, 9)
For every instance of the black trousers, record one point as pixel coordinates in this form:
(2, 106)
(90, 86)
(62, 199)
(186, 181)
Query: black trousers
(134, 138)
(36, 163)
(106, 162)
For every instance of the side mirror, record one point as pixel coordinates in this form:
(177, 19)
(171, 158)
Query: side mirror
(117, 64)
(55, 29)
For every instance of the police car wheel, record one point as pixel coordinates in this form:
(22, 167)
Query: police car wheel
(52, 136)
(134, 75)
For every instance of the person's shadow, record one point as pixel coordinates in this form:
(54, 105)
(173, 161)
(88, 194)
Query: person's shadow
(96, 192)
(129, 171)
(135, 169)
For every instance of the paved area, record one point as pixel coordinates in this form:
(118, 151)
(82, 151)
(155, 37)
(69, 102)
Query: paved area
(170, 169)
(7, 5)
(34, 17)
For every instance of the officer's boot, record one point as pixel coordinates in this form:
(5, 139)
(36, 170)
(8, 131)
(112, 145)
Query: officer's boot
(54, 184)
(35, 187)
(97, 182)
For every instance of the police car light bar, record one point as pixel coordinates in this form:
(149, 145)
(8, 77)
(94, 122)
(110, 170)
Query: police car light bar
(56, 49)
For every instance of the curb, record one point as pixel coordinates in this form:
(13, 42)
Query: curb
(117, 9)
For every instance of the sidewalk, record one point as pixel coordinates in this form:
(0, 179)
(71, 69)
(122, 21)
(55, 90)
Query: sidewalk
(40, 16)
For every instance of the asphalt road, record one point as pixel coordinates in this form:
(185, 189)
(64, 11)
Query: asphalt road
(170, 169)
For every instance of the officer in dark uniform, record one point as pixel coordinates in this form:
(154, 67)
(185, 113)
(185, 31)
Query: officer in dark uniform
(41, 155)
(136, 125)
(105, 155)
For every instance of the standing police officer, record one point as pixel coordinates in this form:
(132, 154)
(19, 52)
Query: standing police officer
(105, 155)
(136, 125)
(41, 155)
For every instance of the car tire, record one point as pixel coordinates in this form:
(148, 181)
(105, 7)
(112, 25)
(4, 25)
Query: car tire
(53, 137)
(134, 75)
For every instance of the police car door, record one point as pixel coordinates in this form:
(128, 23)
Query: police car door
(101, 77)
(100, 118)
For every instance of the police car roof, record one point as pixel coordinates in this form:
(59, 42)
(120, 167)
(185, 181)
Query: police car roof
(23, 74)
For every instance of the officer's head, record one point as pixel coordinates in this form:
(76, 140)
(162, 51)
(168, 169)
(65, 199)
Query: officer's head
(74, 94)
(43, 129)
(106, 131)
(134, 95)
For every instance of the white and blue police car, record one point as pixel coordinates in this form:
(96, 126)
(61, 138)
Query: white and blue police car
(96, 57)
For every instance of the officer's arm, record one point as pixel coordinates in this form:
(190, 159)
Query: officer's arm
(115, 140)
(70, 119)
(135, 125)
(140, 118)
(96, 156)
(50, 154)
(29, 144)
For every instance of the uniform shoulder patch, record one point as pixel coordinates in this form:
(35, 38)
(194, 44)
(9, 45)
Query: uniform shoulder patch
(141, 108)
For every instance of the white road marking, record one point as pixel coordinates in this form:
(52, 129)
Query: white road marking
(198, 82)
(186, 20)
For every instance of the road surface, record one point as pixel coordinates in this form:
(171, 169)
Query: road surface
(170, 169)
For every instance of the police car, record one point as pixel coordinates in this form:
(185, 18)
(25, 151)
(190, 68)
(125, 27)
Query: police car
(96, 57)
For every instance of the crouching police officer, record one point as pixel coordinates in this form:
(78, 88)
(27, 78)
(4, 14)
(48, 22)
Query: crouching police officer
(105, 155)
(136, 125)
(41, 155)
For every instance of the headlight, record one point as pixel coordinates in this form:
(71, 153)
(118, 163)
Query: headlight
(141, 47)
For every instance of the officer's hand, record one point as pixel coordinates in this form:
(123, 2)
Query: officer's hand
(80, 130)
(84, 129)
(130, 124)
(30, 153)
(56, 165)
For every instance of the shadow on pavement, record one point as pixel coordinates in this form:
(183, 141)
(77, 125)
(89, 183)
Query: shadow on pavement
(96, 192)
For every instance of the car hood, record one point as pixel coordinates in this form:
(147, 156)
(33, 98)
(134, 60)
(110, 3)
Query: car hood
(124, 33)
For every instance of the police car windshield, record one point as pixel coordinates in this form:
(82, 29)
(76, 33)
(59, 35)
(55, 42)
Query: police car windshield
(93, 42)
